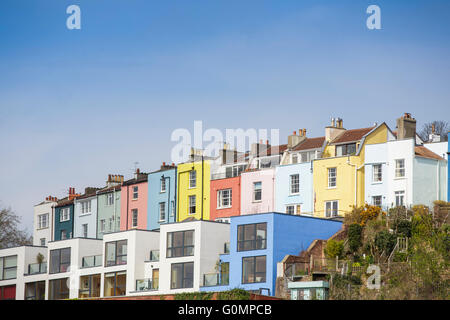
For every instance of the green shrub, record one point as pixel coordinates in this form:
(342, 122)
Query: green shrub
(234, 294)
(403, 228)
(334, 248)
(385, 241)
(354, 237)
(193, 296)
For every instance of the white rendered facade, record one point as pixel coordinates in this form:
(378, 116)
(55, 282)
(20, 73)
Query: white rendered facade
(43, 223)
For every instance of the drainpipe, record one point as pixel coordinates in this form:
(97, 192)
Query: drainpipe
(356, 178)
(203, 180)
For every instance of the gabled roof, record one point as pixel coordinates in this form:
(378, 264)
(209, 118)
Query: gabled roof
(424, 152)
(275, 150)
(142, 177)
(109, 189)
(310, 143)
(351, 135)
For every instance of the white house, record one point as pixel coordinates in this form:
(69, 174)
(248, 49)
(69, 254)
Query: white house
(43, 221)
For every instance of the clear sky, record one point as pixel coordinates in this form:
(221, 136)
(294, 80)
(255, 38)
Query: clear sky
(77, 105)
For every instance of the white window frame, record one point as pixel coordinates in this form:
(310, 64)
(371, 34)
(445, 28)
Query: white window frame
(222, 196)
(110, 199)
(400, 171)
(162, 185)
(400, 194)
(134, 218)
(331, 177)
(41, 218)
(334, 208)
(162, 211)
(255, 191)
(85, 207)
(190, 202)
(290, 206)
(192, 179)
(84, 228)
(135, 192)
(381, 200)
(42, 240)
(293, 183)
(64, 214)
(377, 173)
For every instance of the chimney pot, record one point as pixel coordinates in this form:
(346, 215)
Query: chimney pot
(267, 142)
(164, 164)
(295, 133)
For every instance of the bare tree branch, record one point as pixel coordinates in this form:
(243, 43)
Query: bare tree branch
(440, 127)
(10, 234)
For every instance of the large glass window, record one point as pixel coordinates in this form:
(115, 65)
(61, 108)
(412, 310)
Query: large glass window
(332, 174)
(254, 269)
(35, 290)
(59, 260)
(295, 183)
(224, 198)
(58, 289)
(257, 191)
(252, 237)
(116, 253)
(89, 286)
(182, 275)
(8, 267)
(115, 284)
(180, 244)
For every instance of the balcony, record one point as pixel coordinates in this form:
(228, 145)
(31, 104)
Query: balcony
(215, 279)
(37, 268)
(92, 261)
(154, 255)
(147, 285)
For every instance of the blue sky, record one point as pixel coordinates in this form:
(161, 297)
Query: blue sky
(77, 105)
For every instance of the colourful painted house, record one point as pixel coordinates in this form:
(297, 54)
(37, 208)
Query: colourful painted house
(193, 190)
(162, 196)
(339, 175)
(64, 217)
(225, 198)
(108, 202)
(258, 191)
(134, 202)
(85, 213)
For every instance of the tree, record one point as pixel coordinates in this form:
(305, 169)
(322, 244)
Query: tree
(354, 237)
(10, 234)
(440, 127)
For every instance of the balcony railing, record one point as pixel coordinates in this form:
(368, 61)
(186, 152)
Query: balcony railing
(154, 255)
(92, 261)
(215, 279)
(147, 284)
(226, 248)
(36, 268)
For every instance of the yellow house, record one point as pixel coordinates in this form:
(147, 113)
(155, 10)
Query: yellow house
(193, 186)
(339, 174)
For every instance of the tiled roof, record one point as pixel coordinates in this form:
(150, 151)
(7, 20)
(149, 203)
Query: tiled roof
(89, 194)
(109, 189)
(310, 143)
(273, 150)
(64, 202)
(142, 177)
(423, 152)
(352, 135)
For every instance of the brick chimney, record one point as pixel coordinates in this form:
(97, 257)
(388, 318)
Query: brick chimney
(72, 194)
(406, 127)
(335, 129)
(295, 139)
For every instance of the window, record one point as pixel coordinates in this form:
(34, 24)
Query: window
(115, 284)
(85, 206)
(234, 171)
(293, 209)
(294, 158)
(182, 275)
(331, 209)
(116, 253)
(377, 173)
(63, 235)
(295, 184)
(172, 208)
(110, 199)
(332, 174)
(89, 286)
(192, 206)
(134, 218)
(180, 244)
(58, 289)
(135, 192)
(192, 179)
(43, 221)
(35, 290)
(163, 185)
(346, 149)
(254, 269)
(399, 198)
(377, 201)
(400, 168)
(252, 237)
(64, 214)
(257, 191)
(162, 211)
(224, 199)
(8, 267)
(59, 260)
(102, 225)
(42, 240)
(85, 230)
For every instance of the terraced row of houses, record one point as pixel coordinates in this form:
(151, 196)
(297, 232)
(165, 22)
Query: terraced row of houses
(215, 223)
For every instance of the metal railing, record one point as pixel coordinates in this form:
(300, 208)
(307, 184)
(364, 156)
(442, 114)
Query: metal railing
(216, 279)
(36, 268)
(147, 284)
(154, 255)
(92, 261)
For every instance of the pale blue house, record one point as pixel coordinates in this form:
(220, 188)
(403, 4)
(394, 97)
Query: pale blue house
(85, 213)
(162, 196)
(294, 189)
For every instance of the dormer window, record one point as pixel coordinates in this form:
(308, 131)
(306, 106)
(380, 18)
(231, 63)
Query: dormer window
(345, 149)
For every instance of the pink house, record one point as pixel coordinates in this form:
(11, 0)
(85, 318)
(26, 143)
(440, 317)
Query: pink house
(258, 191)
(134, 202)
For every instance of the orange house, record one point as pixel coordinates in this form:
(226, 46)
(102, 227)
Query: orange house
(225, 198)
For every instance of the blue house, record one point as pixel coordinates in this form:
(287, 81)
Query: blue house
(294, 188)
(162, 196)
(258, 242)
(64, 220)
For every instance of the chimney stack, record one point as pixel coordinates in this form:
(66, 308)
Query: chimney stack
(295, 139)
(406, 127)
(336, 128)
